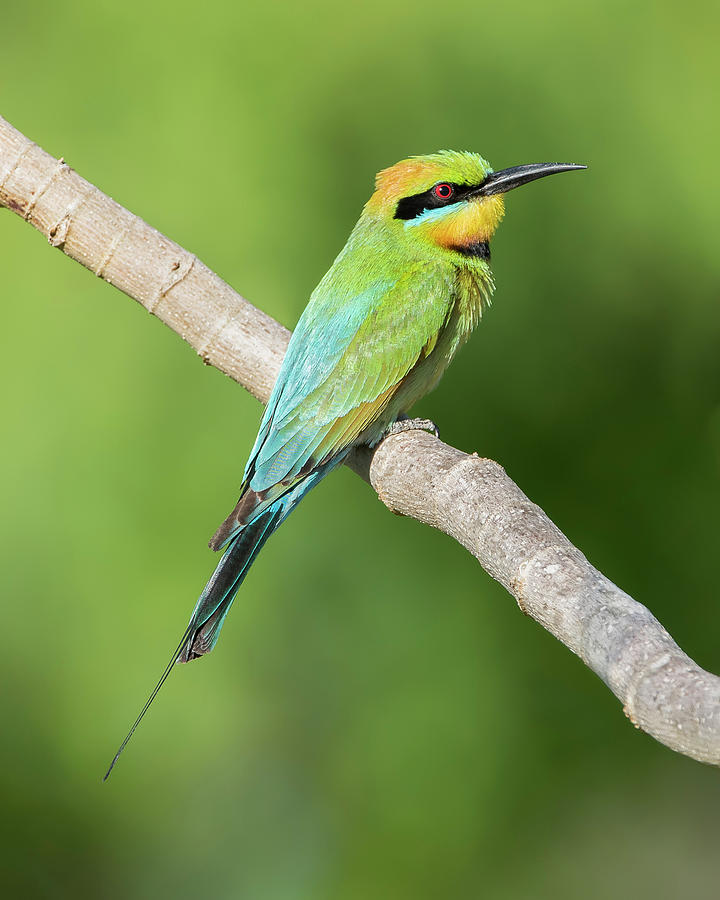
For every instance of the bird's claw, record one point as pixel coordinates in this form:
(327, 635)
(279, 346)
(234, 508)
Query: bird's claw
(403, 423)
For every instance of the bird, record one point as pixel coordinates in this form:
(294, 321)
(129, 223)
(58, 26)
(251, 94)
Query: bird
(379, 330)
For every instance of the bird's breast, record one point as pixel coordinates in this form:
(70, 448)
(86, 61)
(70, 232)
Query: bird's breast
(472, 289)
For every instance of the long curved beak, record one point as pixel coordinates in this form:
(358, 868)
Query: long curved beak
(507, 179)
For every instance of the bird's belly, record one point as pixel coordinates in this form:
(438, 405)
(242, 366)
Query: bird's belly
(473, 292)
(420, 381)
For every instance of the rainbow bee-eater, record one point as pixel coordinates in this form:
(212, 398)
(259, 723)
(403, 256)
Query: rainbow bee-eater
(403, 296)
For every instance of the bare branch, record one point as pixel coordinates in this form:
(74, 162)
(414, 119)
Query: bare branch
(472, 499)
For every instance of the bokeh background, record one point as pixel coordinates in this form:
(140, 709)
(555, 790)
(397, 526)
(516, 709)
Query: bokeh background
(379, 720)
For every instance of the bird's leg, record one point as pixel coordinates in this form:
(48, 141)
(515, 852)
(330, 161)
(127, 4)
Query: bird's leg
(404, 423)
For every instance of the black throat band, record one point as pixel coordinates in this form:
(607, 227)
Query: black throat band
(477, 250)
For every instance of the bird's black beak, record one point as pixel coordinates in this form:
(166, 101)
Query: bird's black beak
(507, 179)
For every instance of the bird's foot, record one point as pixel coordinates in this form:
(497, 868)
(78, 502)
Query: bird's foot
(403, 423)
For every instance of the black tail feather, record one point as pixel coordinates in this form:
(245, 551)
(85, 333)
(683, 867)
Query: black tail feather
(163, 678)
(219, 593)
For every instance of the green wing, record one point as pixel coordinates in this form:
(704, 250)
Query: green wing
(332, 390)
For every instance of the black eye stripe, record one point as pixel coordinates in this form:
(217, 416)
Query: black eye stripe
(412, 207)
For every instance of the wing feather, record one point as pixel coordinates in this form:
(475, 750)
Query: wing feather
(342, 370)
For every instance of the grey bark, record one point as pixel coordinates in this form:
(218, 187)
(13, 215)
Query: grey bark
(471, 499)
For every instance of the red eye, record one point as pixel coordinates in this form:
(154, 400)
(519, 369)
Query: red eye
(443, 191)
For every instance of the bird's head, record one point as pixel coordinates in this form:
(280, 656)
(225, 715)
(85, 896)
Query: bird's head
(449, 199)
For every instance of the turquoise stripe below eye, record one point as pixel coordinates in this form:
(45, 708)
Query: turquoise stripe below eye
(429, 215)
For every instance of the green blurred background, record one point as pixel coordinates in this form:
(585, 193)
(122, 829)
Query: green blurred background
(379, 720)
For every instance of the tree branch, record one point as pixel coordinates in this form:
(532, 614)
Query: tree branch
(471, 499)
